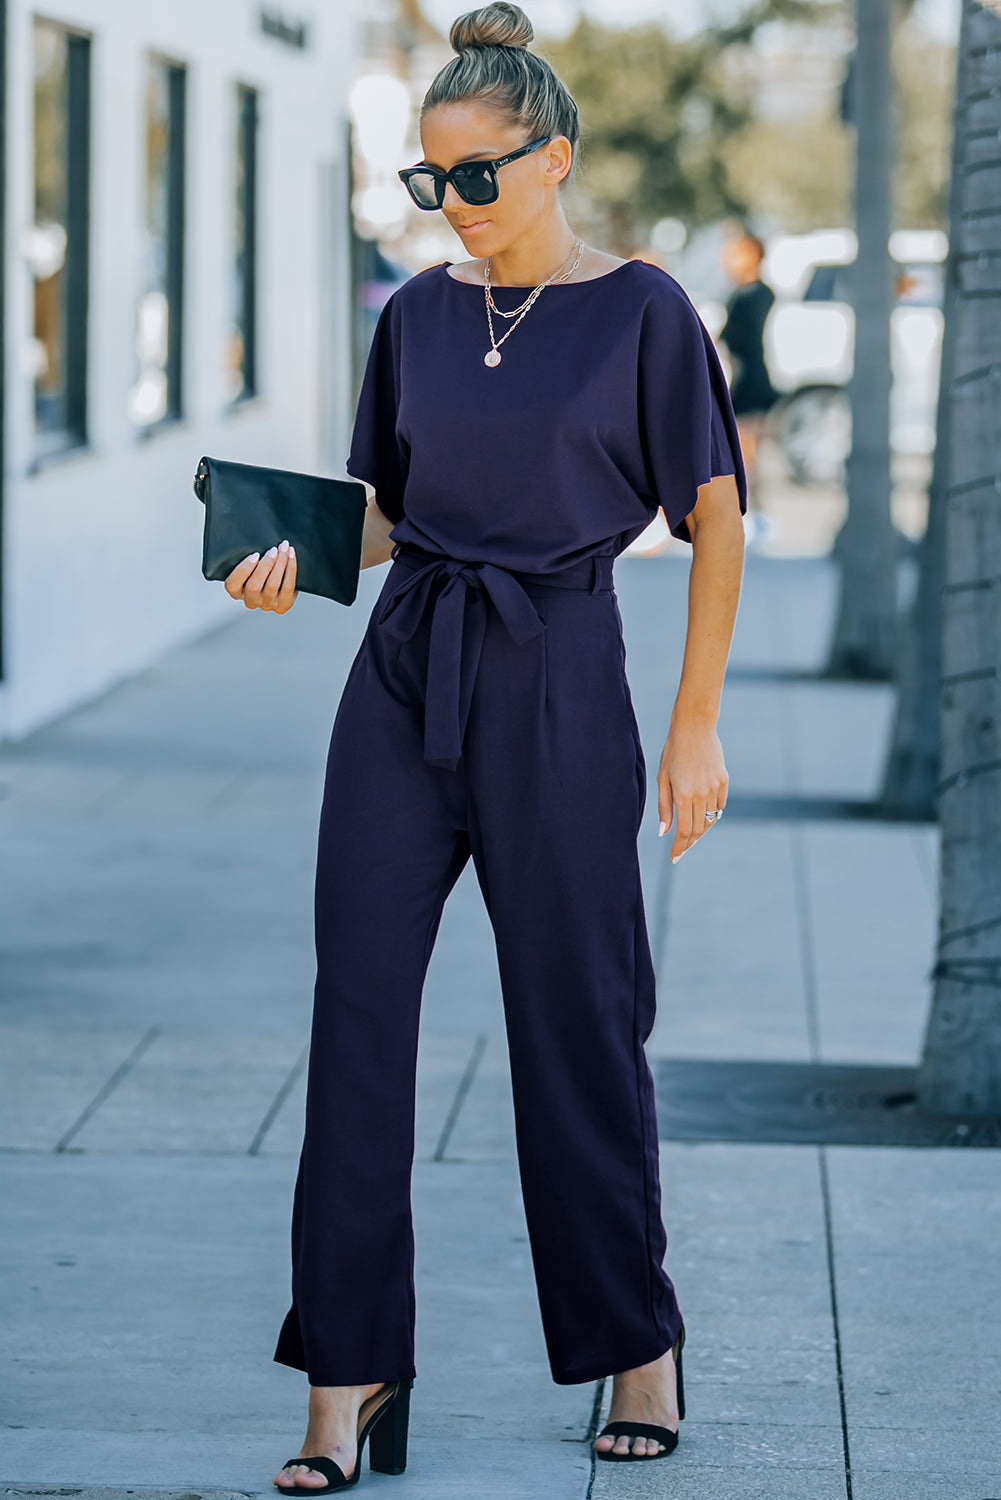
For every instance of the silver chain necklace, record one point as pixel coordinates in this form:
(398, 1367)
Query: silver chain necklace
(493, 355)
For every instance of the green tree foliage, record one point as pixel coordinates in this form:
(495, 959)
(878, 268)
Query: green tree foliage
(786, 186)
(669, 128)
(924, 80)
(660, 117)
(655, 125)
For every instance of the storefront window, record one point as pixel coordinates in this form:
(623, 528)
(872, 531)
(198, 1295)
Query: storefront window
(241, 361)
(56, 243)
(156, 395)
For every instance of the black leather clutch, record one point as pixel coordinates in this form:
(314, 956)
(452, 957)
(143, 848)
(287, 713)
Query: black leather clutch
(249, 508)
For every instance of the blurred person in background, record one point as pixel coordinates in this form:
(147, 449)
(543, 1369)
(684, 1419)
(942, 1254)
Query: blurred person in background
(751, 389)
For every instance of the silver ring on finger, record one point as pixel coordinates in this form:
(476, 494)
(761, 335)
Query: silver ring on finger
(713, 814)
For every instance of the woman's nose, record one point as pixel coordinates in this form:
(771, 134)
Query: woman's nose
(451, 198)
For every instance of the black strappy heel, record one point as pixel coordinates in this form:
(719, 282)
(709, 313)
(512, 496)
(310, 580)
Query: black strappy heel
(648, 1429)
(387, 1449)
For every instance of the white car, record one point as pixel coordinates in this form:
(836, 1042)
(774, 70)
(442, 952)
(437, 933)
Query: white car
(809, 341)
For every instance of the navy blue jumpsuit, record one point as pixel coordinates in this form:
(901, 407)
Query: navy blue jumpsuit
(487, 713)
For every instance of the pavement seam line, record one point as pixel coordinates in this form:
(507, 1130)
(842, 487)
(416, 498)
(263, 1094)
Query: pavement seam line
(791, 759)
(272, 1111)
(797, 842)
(107, 1088)
(465, 1084)
(825, 1195)
(808, 967)
(592, 1433)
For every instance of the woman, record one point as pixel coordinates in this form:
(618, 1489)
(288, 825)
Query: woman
(751, 390)
(487, 713)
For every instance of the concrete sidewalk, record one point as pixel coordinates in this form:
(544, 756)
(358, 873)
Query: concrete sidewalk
(156, 973)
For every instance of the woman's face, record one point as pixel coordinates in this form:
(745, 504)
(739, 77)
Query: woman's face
(451, 133)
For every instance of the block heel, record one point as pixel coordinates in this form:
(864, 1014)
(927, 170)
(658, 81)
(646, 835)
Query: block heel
(387, 1450)
(387, 1447)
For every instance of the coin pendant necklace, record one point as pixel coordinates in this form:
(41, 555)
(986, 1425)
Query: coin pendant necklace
(492, 358)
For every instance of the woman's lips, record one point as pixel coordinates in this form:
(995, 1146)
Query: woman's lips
(476, 224)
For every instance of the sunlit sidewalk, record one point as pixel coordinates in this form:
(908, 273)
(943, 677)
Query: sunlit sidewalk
(156, 968)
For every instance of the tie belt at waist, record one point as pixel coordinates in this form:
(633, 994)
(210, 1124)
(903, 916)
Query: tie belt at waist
(456, 639)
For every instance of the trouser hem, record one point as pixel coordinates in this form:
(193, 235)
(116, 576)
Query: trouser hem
(607, 1368)
(344, 1376)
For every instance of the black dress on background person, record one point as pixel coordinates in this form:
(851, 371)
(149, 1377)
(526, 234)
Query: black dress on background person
(751, 390)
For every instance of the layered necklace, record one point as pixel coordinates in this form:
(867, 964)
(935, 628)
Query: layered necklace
(493, 355)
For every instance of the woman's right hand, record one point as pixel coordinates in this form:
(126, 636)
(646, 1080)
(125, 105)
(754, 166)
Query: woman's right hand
(266, 582)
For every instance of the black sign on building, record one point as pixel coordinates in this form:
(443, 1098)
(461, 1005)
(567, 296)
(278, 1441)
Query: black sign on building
(292, 33)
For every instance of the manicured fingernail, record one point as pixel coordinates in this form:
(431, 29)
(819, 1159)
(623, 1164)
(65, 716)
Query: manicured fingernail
(676, 857)
(291, 552)
(254, 557)
(283, 547)
(662, 829)
(271, 552)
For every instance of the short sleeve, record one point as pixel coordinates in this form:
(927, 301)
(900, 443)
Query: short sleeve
(687, 424)
(377, 454)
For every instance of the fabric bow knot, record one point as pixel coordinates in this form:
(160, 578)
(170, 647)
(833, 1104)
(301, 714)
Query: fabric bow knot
(458, 626)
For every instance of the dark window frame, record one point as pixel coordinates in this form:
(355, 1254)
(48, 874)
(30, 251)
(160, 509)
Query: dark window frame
(175, 240)
(176, 174)
(247, 136)
(73, 435)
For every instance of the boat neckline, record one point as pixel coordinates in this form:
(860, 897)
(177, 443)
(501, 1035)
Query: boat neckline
(514, 287)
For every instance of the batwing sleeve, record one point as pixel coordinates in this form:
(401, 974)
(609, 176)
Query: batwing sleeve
(378, 453)
(688, 428)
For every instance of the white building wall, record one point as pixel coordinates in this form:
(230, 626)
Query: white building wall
(103, 545)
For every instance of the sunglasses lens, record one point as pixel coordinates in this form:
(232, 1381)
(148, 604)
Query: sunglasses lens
(475, 183)
(422, 189)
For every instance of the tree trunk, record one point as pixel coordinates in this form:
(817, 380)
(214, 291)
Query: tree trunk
(960, 1071)
(910, 777)
(865, 633)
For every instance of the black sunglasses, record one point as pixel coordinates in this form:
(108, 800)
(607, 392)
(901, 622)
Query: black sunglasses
(474, 181)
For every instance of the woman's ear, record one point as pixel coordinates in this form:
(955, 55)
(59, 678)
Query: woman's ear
(560, 154)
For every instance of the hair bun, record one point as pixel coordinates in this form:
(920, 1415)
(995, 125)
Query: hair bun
(496, 25)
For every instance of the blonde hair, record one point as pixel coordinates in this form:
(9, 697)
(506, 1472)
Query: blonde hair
(495, 66)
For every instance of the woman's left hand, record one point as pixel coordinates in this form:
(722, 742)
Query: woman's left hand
(692, 779)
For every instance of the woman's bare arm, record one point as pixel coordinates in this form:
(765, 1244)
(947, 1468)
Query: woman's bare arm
(692, 776)
(375, 544)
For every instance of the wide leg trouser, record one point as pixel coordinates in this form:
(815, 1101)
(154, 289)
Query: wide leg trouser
(547, 796)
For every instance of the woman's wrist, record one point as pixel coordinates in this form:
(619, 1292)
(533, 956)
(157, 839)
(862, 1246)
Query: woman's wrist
(687, 715)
